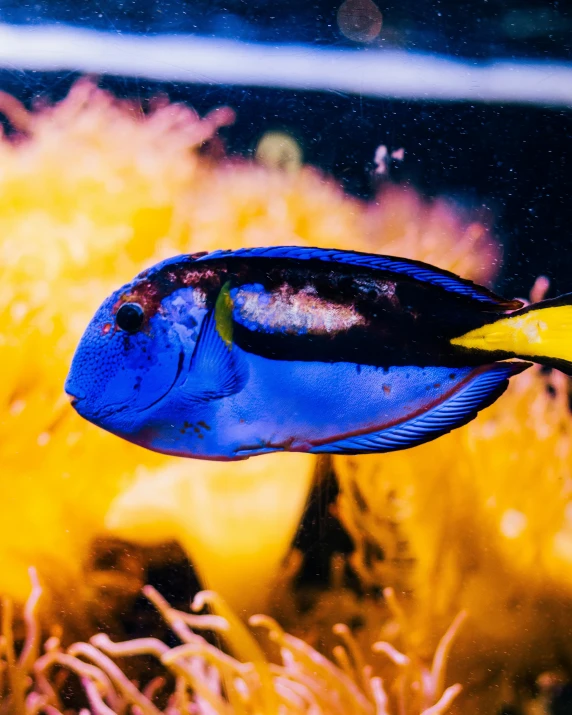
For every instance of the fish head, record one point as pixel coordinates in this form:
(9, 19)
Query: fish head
(131, 356)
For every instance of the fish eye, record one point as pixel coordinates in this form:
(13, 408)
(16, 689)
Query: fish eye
(130, 317)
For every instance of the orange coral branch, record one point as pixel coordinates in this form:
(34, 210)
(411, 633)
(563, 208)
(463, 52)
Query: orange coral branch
(445, 701)
(442, 653)
(31, 644)
(116, 675)
(209, 681)
(15, 679)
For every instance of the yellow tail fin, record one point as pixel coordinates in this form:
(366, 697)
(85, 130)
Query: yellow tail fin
(542, 332)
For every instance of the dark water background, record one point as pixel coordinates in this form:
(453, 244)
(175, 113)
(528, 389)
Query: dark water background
(516, 160)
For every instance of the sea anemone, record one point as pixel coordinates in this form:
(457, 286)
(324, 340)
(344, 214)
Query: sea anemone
(235, 677)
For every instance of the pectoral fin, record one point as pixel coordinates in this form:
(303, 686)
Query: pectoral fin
(217, 368)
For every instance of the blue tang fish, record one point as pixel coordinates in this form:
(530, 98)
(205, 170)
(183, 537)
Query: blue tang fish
(230, 354)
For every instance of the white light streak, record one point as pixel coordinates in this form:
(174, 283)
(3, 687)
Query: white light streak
(366, 71)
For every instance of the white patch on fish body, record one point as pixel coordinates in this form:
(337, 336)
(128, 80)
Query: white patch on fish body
(185, 309)
(292, 312)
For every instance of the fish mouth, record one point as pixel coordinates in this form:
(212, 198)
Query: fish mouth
(78, 399)
(74, 399)
(88, 407)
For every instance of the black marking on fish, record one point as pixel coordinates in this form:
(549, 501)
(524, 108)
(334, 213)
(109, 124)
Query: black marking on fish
(402, 321)
(179, 369)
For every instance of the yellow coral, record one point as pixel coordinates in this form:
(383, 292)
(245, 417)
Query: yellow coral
(401, 223)
(480, 519)
(95, 192)
(235, 523)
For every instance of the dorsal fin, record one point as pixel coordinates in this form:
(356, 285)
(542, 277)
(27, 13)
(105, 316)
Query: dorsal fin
(402, 266)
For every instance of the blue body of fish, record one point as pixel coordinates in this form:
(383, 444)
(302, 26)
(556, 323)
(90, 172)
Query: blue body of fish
(237, 353)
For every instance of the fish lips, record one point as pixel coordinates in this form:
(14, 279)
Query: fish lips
(89, 412)
(78, 400)
(74, 399)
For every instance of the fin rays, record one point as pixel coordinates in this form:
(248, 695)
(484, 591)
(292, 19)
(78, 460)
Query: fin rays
(216, 371)
(412, 269)
(482, 390)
